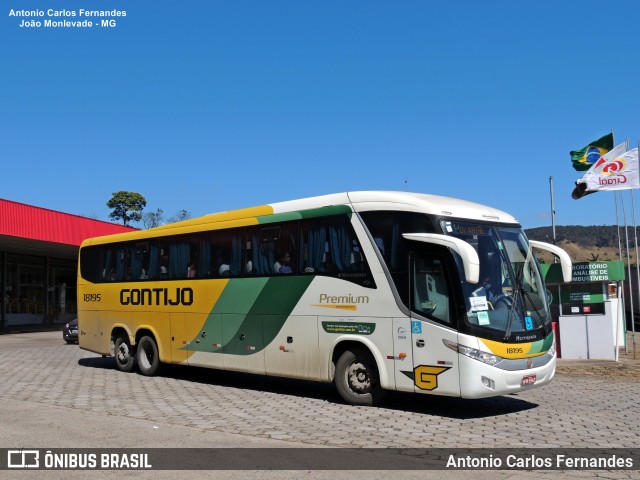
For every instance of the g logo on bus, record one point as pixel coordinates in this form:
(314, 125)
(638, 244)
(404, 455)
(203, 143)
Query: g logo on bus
(425, 377)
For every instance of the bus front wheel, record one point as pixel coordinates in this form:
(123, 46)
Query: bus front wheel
(147, 355)
(357, 378)
(125, 357)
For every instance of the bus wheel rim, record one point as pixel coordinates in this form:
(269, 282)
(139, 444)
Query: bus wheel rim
(358, 377)
(123, 353)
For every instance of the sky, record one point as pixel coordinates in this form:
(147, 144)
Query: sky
(208, 105)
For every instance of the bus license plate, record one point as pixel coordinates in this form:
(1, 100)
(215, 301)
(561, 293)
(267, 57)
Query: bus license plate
(528, 380)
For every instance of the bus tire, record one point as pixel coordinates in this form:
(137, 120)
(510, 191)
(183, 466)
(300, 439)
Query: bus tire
(124, 354)
(147, 356)
(357, 378)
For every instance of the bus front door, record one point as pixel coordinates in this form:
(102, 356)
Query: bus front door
(435, 366)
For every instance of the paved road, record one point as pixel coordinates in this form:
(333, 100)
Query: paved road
(46, 385)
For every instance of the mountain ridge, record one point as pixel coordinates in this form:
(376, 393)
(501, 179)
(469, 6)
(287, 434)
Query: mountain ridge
(588, 243)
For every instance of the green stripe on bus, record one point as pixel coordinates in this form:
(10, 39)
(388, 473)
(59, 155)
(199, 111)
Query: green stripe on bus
(541, 345)
(311, 213)
(326, 211)
(250, 313)
(279, 217)
(232, 307)
(239, 295)
(268, 314)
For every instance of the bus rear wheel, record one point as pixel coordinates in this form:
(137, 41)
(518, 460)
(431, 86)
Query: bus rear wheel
(357, 378)
(125, 357)
(147, 356)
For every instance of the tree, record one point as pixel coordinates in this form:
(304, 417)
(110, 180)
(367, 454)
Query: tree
(152, 219)
(126, 206)
(180, 216)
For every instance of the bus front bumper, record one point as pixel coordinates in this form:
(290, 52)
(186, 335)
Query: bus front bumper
(480, 380)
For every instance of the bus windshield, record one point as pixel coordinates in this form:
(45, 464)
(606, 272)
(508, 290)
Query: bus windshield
(510, 297)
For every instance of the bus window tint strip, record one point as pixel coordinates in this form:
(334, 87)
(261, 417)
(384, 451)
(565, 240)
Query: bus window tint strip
(311, 244)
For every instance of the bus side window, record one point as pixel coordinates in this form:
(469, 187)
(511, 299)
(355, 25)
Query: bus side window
(286, 249)
(139, 258)
(90, 263)
(164, 261)
(221, 254)
(151, 265)
(430, 291)
(180, 259)
(357, 258)
(114, 263)
(106, 266)
(330, 246)
(315, 246)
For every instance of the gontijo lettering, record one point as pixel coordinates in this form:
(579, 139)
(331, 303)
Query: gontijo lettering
(156, 296)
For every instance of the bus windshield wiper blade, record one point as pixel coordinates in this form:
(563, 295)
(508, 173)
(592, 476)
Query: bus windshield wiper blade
(517, 300)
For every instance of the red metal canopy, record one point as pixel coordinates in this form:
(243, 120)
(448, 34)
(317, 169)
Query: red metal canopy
(35, 223)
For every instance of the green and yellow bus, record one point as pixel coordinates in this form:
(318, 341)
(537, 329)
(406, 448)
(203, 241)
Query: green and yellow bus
(373, 291)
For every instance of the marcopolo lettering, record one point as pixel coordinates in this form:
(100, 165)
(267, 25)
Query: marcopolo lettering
(156, 296)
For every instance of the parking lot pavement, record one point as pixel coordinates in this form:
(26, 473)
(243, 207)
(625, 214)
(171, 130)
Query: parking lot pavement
(39, 371)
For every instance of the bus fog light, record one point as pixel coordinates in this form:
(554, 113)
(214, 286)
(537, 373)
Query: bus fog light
(487, 382)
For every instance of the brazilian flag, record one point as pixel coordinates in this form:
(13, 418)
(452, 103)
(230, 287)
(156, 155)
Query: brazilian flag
(584, 158)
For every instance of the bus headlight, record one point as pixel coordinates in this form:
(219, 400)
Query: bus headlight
(484, 357)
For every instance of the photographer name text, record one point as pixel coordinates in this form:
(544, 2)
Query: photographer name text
(79, 18)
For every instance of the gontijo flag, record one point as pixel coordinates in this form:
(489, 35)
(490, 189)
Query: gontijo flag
(584, 158)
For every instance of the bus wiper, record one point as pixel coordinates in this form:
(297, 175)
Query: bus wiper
(517, 297)
(526, 294)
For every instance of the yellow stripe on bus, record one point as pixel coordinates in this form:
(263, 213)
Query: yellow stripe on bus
(510, 350)
(338, 306)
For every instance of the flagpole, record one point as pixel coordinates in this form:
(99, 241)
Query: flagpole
(621, 294)
(633, 327)
(615, 197)
(617, 221)
(635, 233)
(624, 215)
(553, 211)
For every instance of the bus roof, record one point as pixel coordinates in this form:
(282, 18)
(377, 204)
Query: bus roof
(402, 201)
(358, 201)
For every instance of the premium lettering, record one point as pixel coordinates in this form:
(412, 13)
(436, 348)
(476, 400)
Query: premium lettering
(331, 299)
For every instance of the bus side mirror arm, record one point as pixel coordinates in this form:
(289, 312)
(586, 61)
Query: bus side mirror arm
(467, 253)
(565, 260)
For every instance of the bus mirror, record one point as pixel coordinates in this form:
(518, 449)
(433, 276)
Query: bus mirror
(565, 260)
(467, 253)
(549, 297)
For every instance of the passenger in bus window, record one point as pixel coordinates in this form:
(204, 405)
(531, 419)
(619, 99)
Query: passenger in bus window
(285, 263)
(191, 271)
(223, 271)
